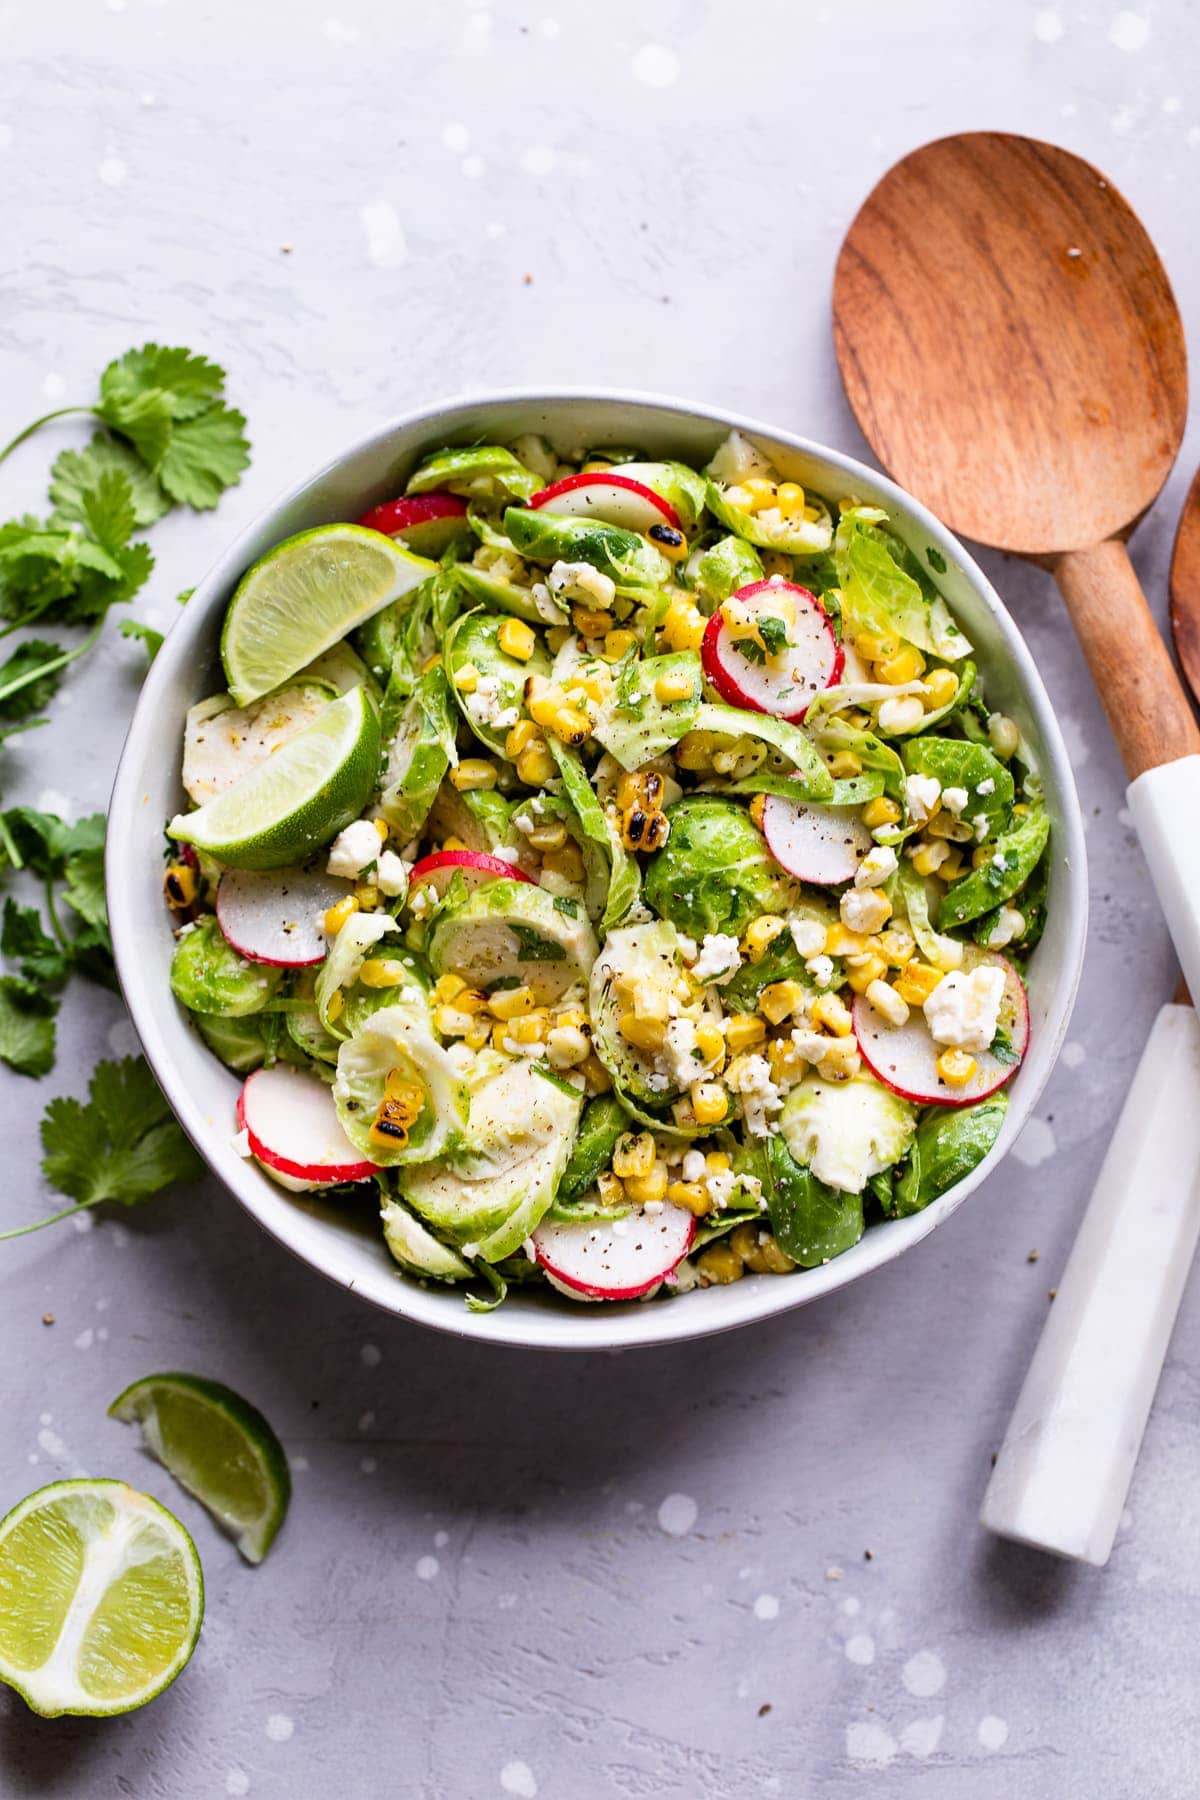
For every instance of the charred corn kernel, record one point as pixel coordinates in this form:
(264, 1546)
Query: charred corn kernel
(941, 685)
(866, 969)
(952, 866)
(641, 787)
(719, 1265)
(569, 725)
(841, 941)
(983, 855)
(683, 625)
(897, 946)
(535, 765)
(565, 861)
(956, 1067)
(466, 679)
(398, 1112)
(382, 972)
(1003, 735)
(597, 1077)
(841, 1061)
(477, 1037)
(517, 639)
(448, 987)
(879, 813)
(523, 733)
(668, 541)
(916, 981)
(709, 1102)
(451, 1021)
(611, 1188)
(767, 1257)
(473, 773)
(887, 1002)
(833, 1013)
(335, 1004)
(644, 830)
(930, 857)
(762, 934)
(789, 497)
(529, 1030)
(633, 1154)
(779, 1000)
(844, 766)
(511, 1003)
(710, 1042)
(640, 1188)
(647, 1035)
(690, 1194)
(567, 1046)
(761, 493)
(589, 623)
(677, 684)
(876, 646)
(179, 885)
(906, 665)
(336, 915)
(717, 1162)
(618, 644)
(547, 837)
(742, 1031)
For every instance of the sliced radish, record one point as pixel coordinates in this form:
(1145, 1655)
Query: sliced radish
(904, 1057)
(787, 684)
(824, 844)
(274, 915)
(617, 499)
(293, 1130)
(621, 1259)
(426, 522)
(477, 866)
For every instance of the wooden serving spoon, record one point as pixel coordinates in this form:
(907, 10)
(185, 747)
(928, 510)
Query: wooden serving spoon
(1185, 588)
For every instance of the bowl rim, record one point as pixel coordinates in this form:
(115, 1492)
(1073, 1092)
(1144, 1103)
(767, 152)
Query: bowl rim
(580, 1328)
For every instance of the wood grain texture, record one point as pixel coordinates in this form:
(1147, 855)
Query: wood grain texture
(1185, 588)
(1010, 343)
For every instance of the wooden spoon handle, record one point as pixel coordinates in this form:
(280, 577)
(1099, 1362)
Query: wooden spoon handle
(1147, 708)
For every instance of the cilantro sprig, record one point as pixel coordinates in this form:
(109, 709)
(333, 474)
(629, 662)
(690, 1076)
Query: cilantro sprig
(121, 1144)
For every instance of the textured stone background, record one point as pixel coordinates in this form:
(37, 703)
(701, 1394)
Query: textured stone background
(506, 1574)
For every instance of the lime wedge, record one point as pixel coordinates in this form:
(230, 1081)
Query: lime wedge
(218, 1447)
(303, 596)
(101, 1598)
(300, 797)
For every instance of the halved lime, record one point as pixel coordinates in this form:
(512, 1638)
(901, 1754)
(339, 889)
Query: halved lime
(303, 596)
(299, 798)
(101, 1598)
(218, 1447)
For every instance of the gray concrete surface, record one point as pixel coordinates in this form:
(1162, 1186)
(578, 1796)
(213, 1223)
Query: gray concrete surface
(489, 1584)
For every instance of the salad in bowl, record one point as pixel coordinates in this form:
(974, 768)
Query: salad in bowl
(613, 868)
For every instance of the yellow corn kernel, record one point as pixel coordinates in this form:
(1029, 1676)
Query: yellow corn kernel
(984, 854)
(710, 1042)
(762, 934)
(545, 703)
(844, 766)
(941, 685)
(399, 1110)
(611, 1187)
(647, 1035)
(876, 647)
(335, 1005)
(590, 623)
(832, 1012)
(336, 915)
(381, 826)
(696, 749)
(765, 1257)
(906, 665)
(565, 861)
(571, 725)
(451, 1021)
(597, 1077)
(690, 1194)
(784, 1060)
(640, 1188)
(916, 981)
(719, 1265)
(523, 733)
(477, 1037)
(473, 773)
(431, 662)
(618, 644)
(866, 970)
(1003, 735)
(717, 1162)
(888, 1003)
(841, 1061)
(677, 684)
(517, 639)
(761, 493)
(956, 1067)
(529, 1030)
(583, 687)
(757, 808)
(742, 1031)
(382, 972)
(738, 497)
(951, 866)
(573, 1018)
(179, 885)
(448, 987)
(511, 1003)
(366, 893)
(535, 765)
(945, 825)
(897, 946)
(567, 1046)
(633, 1154)
(500, 1037)
(930, 857)
(547, 837)
(789, 497)
(454, 843)
(683, 625)
(466, 679)
(880, 812)
(709, 1102)
(841, 941)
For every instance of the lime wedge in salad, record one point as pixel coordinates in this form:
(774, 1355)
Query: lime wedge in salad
(299, 798)
(303, 596)
(101, 1598)
(218, 1447)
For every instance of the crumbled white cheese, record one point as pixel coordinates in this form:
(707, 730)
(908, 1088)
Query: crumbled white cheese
(1008, 926)
(719, 958)
(988, 786)
(864, 910)
(876, 867)
(954, 799)
(720, 1186)
(506, 718)
(580, 581)
(750, 1076)
(964, 1010)
(808, 935)
(507, 855)
(544, 606)
(524, 823)
(921, 794)
(484, 704)
(688, 947)
(391, 876)
(980, 825)
(354, 849)
(694, 1165)
(821, 969)
(679, 1055)
(470, 1251)
(241, 1143)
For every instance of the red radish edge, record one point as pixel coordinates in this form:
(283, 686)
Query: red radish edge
(395, 516)
(234, 876)
(589, 1289)
(792, 858)
(722, 678)
(1006, 1070)
(606, 478)
(328, 1174)
(471, 862)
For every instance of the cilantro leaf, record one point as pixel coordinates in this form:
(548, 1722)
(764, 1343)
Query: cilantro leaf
(22, 689)
(27, 1039)
(24, 940)
(144, 418)
(84, 889)
(108, 510)
(77, 471)
(936, 559)
(122, 1145)
(187, 383)
(145, 634)
(751, 649)
(205, 456)
(773, 632)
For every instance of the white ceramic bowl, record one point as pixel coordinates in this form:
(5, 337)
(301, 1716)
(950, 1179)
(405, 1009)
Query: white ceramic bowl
(147, 792)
